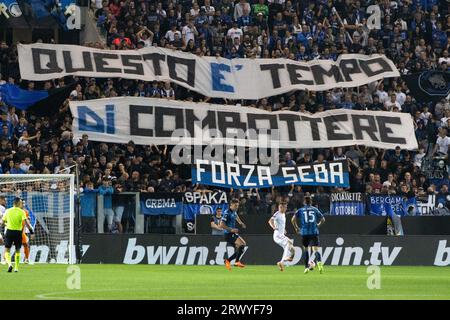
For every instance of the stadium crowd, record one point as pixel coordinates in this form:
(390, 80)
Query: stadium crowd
(414, 34)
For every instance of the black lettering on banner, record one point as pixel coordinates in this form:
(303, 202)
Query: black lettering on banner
(160, 113)
(189, 63)
(349, 67)
(253, 117)
(295, 77)
(137, 68)
(273, 68)
(210, 120)
(50, 67)
(191, 120)
(101, 63)
(332, 127)
(229, 120)
(314, 127)
(87, 62)
(290, 121)
(385, 130)
(320, 73)
(365, 65)
(359, 128)
(135, 111)
(155, 58)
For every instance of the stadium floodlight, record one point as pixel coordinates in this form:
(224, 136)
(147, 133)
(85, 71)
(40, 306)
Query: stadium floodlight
(50, 201)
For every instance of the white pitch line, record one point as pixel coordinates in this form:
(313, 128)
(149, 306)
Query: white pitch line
(56, 295)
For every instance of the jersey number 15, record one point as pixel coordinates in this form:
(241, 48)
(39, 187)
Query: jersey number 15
(309, 216)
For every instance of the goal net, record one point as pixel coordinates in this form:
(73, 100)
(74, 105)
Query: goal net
(49, 200)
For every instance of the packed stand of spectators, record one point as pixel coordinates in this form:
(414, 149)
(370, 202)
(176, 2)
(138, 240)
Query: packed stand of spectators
(415, 35)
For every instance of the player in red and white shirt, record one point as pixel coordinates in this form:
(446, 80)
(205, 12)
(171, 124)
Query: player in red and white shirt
(278, 224)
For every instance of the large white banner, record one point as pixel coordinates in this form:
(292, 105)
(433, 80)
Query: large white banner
(210, 76)
(160, 121)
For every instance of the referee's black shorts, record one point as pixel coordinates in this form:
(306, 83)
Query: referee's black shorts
(13, 237)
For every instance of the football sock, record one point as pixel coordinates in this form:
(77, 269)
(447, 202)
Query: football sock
(318, 257)
(16, 261)
(230, 258)
(306, 257)
(239, 252)
(8, 258)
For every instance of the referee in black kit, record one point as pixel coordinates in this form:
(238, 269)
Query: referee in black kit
(14, 219)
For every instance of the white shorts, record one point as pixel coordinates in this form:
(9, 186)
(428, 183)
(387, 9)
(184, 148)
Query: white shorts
(281, 239)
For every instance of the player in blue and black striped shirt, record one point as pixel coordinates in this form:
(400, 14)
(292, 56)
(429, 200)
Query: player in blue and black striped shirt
(232, 237)
(310, 220)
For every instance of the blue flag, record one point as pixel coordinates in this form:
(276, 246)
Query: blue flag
(42, 103)
(387, 205)
(22, 99)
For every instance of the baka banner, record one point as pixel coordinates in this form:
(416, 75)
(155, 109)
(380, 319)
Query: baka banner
(347, 204)
(386, 205)
(157, 203)
(245, 176)
(161, 121)
(210, 76)
(207, 202)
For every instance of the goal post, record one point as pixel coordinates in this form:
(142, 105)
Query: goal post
(50, 202)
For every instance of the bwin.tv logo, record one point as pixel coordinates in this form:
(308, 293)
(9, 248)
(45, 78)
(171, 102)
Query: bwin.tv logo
(89, 120)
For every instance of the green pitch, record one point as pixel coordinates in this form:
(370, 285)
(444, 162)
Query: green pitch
(215, 282)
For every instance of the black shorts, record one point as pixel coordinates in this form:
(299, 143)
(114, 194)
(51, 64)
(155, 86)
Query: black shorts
(13, 237)
(310, 241)
(231, 238)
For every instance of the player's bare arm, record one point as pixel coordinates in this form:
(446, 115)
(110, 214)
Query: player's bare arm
(225, 227)
(294, 223)
(321, 222)
(271, 223)
(215, 226)
(28, 224)
(240, 222)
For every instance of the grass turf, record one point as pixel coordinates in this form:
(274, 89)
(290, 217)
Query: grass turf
(215, 282)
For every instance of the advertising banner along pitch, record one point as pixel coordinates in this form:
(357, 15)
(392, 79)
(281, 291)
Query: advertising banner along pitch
(210, 76)
(161, 121)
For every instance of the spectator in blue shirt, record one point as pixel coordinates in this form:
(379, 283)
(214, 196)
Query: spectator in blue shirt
(20, 128)
(245, 20)
(16, 169)
(6, 133)
(106, 190)
(88, 206)
(4, 122)
(302, 37)
(201, 18)
(347, 103)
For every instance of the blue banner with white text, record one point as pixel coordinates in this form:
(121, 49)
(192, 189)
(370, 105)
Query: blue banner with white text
(347, 204)
(243, 176)
(196, 203)
(157, 203)
(386, 205)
